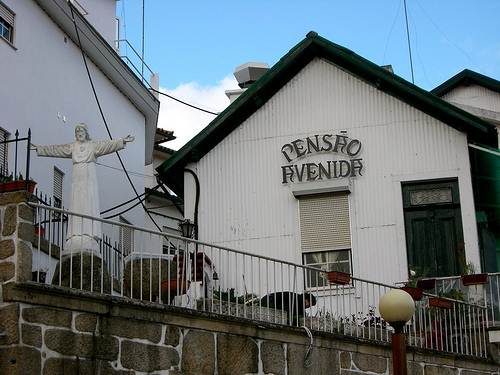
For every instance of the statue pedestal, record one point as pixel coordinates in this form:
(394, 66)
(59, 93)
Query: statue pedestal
(79, 243)
(84, 271)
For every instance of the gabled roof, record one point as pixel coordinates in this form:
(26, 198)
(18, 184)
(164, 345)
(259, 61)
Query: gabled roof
(109, 62)
(171, 171)
(465, 78)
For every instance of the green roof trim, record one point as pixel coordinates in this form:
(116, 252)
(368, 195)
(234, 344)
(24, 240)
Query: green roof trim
(466, 77)
(171, 171)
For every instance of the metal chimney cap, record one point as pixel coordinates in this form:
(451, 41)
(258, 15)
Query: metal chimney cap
(248, 73)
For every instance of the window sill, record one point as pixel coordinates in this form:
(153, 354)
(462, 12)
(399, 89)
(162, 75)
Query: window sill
(9, 43)
(332, 290)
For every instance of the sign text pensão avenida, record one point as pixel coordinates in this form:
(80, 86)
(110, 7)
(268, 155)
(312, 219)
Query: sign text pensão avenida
(325, 170)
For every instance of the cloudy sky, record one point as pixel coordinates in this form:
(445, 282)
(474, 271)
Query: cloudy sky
(185, 121)
(195, 45)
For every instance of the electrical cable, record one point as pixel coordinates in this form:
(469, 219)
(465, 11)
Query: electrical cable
(127, 209)
(390, 32)
(138, 174)
(307, 357)
(185, 103)
(103, 117)
(130, 200)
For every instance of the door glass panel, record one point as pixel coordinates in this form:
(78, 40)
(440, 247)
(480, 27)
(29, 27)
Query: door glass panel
(430, 196)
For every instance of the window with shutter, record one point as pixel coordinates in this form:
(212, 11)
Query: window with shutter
(126, 238)
(4, 151)
(6, 23)
(58, 187)
(325, 234)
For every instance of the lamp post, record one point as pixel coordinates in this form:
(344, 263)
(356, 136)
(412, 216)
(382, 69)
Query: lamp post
(187, 228)
(396, 308)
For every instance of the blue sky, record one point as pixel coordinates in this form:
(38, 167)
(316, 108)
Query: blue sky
(195, 45)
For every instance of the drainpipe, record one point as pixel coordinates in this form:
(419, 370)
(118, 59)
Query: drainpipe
(197, 201)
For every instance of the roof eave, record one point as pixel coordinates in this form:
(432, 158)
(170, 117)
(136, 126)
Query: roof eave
(315, 46)
(466, 77)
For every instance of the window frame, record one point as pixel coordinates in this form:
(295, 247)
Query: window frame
(304, 251)
(308, 285)
(7, 25)
(125, 233)
(57, 200)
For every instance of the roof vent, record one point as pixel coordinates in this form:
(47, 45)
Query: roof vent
(250, 72)
(388, 68)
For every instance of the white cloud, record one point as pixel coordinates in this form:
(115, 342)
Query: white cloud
(185, 121)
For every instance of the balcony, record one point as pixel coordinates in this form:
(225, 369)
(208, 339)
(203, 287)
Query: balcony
(194, 275)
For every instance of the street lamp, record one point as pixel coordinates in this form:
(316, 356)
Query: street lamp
(396, 308)
(187, 228)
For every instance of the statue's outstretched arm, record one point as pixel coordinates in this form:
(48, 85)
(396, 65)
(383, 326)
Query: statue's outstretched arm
(56, 151)
(107, 147)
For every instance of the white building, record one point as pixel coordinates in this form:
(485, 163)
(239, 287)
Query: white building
(332, 161)
(45, 87)
(480, 95)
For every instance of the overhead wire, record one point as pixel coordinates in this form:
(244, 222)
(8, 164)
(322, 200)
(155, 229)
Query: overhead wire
(446, 37)
(185, 103)
(104, 118)
(419, 58)
(134, 173)
(129, 201)
(390, 31)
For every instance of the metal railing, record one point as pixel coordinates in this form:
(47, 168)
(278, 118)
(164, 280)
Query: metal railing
(487, 295)
(220, 280)
(14, 173)
(129, 60)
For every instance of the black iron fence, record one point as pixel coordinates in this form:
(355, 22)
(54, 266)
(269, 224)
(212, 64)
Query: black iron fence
(12, 171)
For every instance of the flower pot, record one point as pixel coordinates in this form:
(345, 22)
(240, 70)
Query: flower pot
(339, 278)
(426, 284)
(40, 231)
(476, 279)
(415, 293)
(440, 303)
(6, 187)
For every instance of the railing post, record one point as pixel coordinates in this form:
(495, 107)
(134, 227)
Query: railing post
(28, 151)
(15, 159)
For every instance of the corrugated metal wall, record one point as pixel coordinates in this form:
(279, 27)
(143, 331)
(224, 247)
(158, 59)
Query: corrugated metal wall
(245, 205)
(475, 95)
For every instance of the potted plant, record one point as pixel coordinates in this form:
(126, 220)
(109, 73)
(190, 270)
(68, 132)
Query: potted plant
(441, 303)
(8, 184)
(39, 230)
(338, 277)
(412, 288)
(426, 284)
(471, 278)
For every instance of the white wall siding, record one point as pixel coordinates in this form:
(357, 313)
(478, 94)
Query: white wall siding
(244, 204)
(476, 96)
(44, 81)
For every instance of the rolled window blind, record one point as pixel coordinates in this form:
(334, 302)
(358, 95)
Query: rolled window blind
(58, 183)
(324, 222)
(6, 14)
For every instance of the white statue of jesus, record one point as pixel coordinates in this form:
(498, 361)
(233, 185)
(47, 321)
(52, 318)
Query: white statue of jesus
(83, 234)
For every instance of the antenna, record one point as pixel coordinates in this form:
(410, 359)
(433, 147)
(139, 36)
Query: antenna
(409, 45)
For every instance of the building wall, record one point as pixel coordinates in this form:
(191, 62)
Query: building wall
(476, 96)
(101, 14)
(45, 88)
(244, 204)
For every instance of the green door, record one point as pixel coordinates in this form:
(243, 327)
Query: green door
(433, 225)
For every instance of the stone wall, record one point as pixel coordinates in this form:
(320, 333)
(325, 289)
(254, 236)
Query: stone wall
(55, 331)
(16, 236)
(52, 330)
